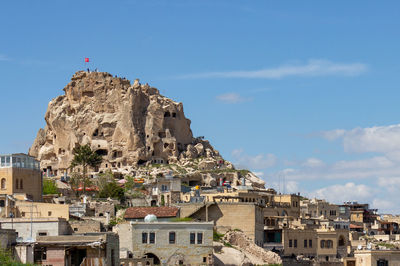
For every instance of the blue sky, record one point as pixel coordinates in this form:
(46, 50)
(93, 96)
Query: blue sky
(301, 91)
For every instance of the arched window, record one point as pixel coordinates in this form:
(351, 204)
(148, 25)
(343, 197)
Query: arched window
(21, 184)
(17, 184)
(322, 243)
(341, 241)
(3, 183)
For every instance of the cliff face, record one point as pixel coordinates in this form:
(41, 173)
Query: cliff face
(129, 125)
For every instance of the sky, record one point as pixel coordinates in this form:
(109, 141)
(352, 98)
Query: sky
(303, 93)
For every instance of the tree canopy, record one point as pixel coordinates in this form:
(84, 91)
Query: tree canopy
(49, 187)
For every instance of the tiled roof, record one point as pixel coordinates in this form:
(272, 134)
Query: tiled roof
(354, 226)
(141, 212)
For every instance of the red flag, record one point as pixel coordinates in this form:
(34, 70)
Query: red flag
(86, 60)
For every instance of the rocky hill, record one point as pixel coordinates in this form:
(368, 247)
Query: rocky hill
(135, 129)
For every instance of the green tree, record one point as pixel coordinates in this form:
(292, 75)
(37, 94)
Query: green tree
(112, 190)
(103, 179)
(85, 157)
(49, 187)
(130, 184)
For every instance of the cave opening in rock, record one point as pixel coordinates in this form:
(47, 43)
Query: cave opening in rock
(102, 152)
(141, 162)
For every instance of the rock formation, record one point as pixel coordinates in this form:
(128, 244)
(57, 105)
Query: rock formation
(129, 125)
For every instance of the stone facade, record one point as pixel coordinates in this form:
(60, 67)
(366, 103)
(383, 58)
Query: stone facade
(169, 243)
(323, 244)
(376, 257)
(86, 226)
(40, 226)
(20, 173)
(245, 216)
(24, 209)
(316, 208)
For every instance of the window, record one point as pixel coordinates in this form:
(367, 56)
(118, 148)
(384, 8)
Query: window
(144, 238)
(199, 238)
(75, 229)
(382, 262)
(42, 233)
(23, 214)
(305, 243)
(2, 203)
(172, 237)
(290, 243)
(192, 238)
(21, 184)
(152, 238)
(49, 213)
(17, 184)
(3, 183)
(310, 243)
(322, 243)
(295, 243)
(329, 244)
(204, 259)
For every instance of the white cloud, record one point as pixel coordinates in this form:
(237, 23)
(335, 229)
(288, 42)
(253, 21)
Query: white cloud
(383, 139)
(311, 68)
(313, 163)
(340, 193)
(375, 163)
(232, 98)
(259, 161)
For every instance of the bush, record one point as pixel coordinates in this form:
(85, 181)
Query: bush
(6, 259)
(112, 190)
(217, 236)
(49, 187)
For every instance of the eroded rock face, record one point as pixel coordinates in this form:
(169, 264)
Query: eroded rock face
(129, 125)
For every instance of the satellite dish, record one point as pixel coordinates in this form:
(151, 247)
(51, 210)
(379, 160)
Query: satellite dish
(150, 218)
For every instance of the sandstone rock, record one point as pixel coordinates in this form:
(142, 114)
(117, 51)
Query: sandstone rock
(128, 125)
(245, 244)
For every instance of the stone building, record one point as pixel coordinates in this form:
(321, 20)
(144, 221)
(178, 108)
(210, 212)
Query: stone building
(316, 208)
(167, 191)
(86, 249)
(245, 216)
(29, 229)
(20, 173)
(322, 244)
(168, 243)
(25, 209)
(374, 257)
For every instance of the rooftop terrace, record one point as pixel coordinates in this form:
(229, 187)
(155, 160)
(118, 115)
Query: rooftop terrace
(19, 160)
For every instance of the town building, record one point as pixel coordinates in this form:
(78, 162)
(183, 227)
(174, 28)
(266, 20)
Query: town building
(168, 243)
(166, 191)
(370, 257)
(321, 244)
(28, 229)
(245, 216)
(317, 208)
(86, 249)
(20, 174)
